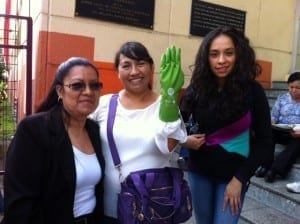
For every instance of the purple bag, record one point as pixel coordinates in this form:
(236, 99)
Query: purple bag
(151, 196)
(157, 196)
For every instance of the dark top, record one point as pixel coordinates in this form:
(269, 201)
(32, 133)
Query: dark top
(214, 160)
(40, 176)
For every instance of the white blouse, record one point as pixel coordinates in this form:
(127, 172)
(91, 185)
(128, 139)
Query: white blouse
(141, 141)
(88, 174)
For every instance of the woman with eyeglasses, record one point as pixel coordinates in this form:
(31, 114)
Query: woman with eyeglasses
(54, 167)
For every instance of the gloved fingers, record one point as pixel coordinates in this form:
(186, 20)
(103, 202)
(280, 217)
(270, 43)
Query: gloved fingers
(168, 55)
(178, 56)
(165, 59)
(170, 68)
(172, 53)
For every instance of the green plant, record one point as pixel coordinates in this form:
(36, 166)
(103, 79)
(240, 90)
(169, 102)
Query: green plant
(3, 69)
(3, 80)
(7, 121)
(3, 89)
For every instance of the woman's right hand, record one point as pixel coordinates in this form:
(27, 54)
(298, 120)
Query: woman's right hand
(194, 141)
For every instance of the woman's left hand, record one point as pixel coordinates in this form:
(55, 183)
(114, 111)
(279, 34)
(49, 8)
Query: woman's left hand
(232, 196)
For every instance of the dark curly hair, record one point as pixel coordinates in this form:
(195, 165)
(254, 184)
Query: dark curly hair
(204, 84)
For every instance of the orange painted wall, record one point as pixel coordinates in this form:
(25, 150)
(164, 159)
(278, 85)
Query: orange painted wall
(265, 77)
(109, 77)
(53, 48)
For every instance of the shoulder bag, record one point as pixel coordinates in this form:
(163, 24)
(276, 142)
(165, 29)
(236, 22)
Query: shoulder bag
(150, 196)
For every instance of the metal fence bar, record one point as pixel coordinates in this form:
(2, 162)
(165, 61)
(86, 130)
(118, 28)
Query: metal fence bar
(11, 51)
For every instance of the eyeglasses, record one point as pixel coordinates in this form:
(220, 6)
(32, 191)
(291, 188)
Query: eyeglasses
(81, 86)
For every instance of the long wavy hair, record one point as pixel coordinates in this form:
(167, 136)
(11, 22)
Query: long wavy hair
(204, 83)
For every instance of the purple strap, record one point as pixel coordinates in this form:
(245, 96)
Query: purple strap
(230, 131)
(110, 123)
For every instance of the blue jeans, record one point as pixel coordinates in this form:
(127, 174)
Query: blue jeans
(184, 152)
(207, 196)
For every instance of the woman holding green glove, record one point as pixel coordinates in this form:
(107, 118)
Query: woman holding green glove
(232, 111)
(143, 140)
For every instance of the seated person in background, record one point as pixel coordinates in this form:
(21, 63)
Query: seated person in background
(286, 110)
(294, 187)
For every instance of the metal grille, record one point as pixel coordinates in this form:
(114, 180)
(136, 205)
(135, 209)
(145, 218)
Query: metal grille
(15, 45)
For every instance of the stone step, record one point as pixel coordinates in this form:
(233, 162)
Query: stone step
(255, 212)
(271, 203)
(279, 85)
(294, 173)
(242, 220)
(274, 93)
(275, 196)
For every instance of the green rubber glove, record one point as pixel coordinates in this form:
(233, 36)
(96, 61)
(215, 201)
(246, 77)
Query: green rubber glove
(171, 81)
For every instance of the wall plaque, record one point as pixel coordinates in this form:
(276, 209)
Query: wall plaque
(206, 16)
(130, 12)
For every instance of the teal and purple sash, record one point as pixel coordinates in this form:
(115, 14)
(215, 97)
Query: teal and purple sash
(234, 137)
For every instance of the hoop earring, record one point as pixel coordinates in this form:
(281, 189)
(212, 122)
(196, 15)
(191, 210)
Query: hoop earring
(59, 99)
